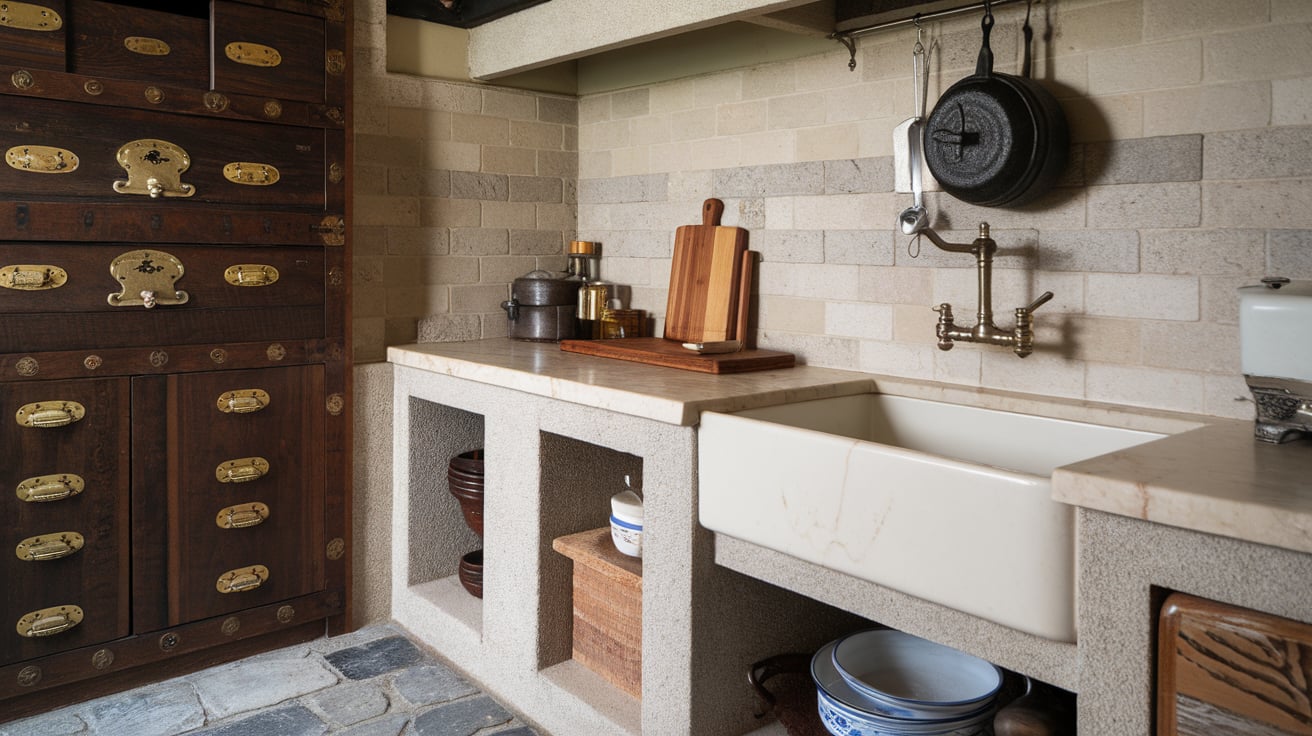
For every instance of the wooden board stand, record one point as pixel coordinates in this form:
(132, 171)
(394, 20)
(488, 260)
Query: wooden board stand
(607, 608)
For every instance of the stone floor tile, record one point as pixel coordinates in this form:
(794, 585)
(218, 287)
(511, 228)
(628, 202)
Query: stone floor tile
(57, 723)
(391, 725)
(259, 683)
(375, 658)
(521, 731)
(461, 718)
(434, 683)
(355, 638)
(158, 710)
(350, 702)
(296, 720)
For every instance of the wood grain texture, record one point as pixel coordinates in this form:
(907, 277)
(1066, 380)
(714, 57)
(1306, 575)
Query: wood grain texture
(704, 276)
(670, 354)
(742, 330)
(1224, 669)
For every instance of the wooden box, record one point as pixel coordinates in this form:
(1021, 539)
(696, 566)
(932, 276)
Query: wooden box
(607, 608)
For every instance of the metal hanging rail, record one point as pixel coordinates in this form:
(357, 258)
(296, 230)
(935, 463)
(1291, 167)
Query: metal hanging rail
(848, 38)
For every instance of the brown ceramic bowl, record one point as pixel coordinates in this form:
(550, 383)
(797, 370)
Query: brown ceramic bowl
(468, 462)
(471, 505)
(470, 573)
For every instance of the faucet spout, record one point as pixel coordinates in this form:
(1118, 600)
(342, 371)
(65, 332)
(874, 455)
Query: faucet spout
(1020, 338)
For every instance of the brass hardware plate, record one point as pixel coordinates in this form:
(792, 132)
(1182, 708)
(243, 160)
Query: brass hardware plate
(242, 579)
(22, 79)
(49, 546)
(252, 54)
(42, 159)
(49, 413)
(45, 488)
(243, 401)
(334, 62)
(32, 278)
(154, 168)
(251, 174)
(146, 46)
(331, 229)
(242, 515)
(148, 277)
(29, 17)
(241, 470)
(250, 274)
(49, 621)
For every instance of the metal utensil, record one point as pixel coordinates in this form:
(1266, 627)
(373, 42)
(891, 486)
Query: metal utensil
(908, 130)
(913, 218)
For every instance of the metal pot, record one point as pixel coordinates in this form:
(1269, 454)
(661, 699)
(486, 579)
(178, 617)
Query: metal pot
(996, 139)
(542, 307)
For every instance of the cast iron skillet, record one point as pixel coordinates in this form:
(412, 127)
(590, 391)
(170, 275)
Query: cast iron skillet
(996, 139)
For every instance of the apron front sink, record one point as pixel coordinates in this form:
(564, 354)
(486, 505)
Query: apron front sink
(945, 502)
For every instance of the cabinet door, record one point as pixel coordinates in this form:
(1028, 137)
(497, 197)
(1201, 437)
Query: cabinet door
(64, 515)
(1228, 670)
(245, 489)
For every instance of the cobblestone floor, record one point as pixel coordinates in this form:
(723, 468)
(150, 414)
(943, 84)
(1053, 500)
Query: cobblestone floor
(373, 682)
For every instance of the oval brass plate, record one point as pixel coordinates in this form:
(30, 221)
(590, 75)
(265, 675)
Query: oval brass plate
(29, 17)
(241, 470)
(251, 174)
(49, 621)
(42, 159)
(252, 54)
(49, 413)
(250, 274)
(242, 515)
(32, 278)
(49, 546)
(243, 578)
(45, 488)
(146, 46)
(243, 401)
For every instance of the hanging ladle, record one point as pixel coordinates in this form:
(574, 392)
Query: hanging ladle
(914, 218)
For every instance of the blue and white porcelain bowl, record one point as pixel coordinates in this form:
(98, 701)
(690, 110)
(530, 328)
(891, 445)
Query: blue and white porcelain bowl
(910, 677)
(626, 535)
(842, 721)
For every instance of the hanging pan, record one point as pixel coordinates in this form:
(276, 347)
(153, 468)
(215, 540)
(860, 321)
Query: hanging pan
(996, 139)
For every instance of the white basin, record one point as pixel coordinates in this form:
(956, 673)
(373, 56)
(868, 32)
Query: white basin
(945, 502)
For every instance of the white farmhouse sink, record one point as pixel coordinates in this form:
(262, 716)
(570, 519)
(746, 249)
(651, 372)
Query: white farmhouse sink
(945, 502)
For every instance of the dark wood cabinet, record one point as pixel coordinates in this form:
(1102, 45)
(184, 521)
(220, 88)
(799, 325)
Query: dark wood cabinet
(174, 386)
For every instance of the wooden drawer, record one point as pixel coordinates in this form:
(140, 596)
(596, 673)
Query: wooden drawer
(267, 52)
(53, 151)
(79, 313)
(288, 434)
(90, 453)
(135, 43)
(32, 34)
(1229, 670)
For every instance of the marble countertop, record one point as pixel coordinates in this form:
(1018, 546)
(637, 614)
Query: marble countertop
(1208, 475)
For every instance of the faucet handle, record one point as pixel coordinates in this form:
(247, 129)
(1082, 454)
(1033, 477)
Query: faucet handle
(1044, 298)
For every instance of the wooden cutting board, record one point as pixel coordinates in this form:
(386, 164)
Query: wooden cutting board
(662, 352)
(704, 276)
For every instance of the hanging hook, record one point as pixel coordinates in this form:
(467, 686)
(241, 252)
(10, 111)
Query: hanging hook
(920, 34)
(849, 42)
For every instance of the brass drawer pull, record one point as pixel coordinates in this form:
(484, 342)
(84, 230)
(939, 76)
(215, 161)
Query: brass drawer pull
(250, 274)
(147, 46)
(242, 470)
(45, 488)
(242, 579)
(251, 174)
(244, 401)
(42, 159)
(49, 546)
(252, 54)
(148, 278)
(29, 17)
(242, 516)
(49, 414)
(49, 621)
(33, 278)
(154, 168)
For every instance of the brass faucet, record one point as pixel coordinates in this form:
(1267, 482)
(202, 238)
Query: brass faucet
(1020, 338)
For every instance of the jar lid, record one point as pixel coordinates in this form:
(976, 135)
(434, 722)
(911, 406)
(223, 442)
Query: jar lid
(585, 247)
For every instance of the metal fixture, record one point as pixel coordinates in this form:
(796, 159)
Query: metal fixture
(848, 30)
(1275, 339)
(1020, 338)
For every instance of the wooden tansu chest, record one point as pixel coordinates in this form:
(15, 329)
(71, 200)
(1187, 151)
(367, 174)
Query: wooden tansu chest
(174, 376)
(607, 608)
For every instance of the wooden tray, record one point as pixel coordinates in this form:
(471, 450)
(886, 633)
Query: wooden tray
(659, 351)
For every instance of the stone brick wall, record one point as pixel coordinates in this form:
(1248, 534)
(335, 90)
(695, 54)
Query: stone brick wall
(1191, 175)
(459, 189)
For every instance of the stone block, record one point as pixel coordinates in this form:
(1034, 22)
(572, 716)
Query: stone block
(741, 117)
(1142, 296)
(512, 215)
(770, 180)
(768, 80)
(375, 658)
(1109, 251)
(796, 111)
(1291, 101)
(512, 105)
(1289, 253)
(429, 684)
(646, 188)
(477, 185)
(1282, 204)
(479, 242)
(866, 321)
(1148, 387)
(1259, 53)
(1150, 66)
(1268, 153)
(828, 142)
(536, 242)
(695, 124)
(461, 718)
(450, 328)
(294, 721)
(536, 189)
(1202, 252)
(630, 103)
(1166, 18)
(350, 703)
(796, 246)
(860, 247)
(392, 725)
(253, 684)
(562, 110)
(482, 129)
(1145, 205)
(859, 175)
(1194, 346)
(1207, 108)
(1144, 160)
